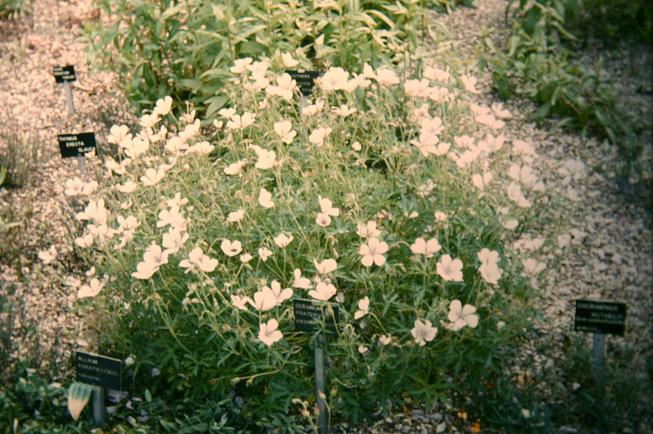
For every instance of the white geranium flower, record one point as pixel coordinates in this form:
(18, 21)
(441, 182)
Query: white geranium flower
(127, 187)
(282, 240)
(238, 122)
(323, 291)
(240, 65)
(172, 217)
(235, 168)
(469, 83)
(280, 295)
(284, 131)
(266, 159)
(264, 299)
(264, 253)
(516, 195)
(482, 181)
(386, 77)
(153, 258)
(423, 332)
(327, 207)
(460, 316)
(372, 252)
(269, 333)
(299, 281)
(436, 74)
(323, 219)
(91, 289)
(197, 260)
(163, 106)
(288, 60)
(117, 134)
(240, 302)
(152, 176)
(335, 78)
(363, 308)
(344, 111)
(85, 241)
(94, 211)
(174, 239)
(231, 248)
(427, 248)
(385, 339)
(319, 135)
(325, 267)
(368, 230)
(236, 216)
(265, 199)
(450, 269)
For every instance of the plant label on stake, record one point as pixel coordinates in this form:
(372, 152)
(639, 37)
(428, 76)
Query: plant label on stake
(312, 316)
(600, 318)
(103, 373)
(305, 80)
(77, 145)
(64, 75)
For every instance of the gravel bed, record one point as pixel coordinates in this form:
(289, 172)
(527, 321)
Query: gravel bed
(598, 240)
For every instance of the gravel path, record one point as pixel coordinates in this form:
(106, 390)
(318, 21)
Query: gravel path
(34, 112)
(598, 242)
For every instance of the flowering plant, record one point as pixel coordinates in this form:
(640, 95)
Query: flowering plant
(363, 195)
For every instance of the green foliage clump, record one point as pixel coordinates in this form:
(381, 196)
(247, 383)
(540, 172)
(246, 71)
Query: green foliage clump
(11, 8)
(184, 50)
(539, 63)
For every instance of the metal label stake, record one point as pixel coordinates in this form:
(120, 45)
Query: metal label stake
(322, 417)
(69, 97)
(99, 409)
(598, 351)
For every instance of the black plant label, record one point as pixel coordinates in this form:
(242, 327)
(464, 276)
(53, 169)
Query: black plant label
(600, 317)
(76, 145)
(64, 73)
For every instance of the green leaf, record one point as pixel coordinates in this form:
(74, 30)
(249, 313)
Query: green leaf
(148, 395)
(215, 103)
(78, 396)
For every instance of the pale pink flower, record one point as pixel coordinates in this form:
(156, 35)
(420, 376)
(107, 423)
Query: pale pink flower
(198, 260)
(288, 60)
(363, 308)
(284, 131)
(323, 291)
(231, 248)
(163, 106)
(153, 176)
(368, 230)
(450, 269)
(240, 302)
(282, 240)
(264, 253)
(386, 77)
(319, 135)
(91, 289)
(174, 240)
(236, 216)
(235, 168)
(372, 252)
(335, 78)
(269, 333)
(469, 83)
(299, 281)
(427, 248)
(265, 199)
(323, 219)
(460, 316)
(423, 332)
(326, 266)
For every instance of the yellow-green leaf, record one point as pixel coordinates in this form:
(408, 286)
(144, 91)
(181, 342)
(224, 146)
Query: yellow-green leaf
(78, 396)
